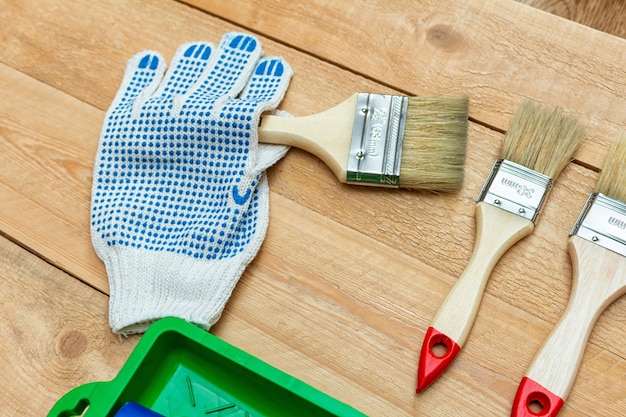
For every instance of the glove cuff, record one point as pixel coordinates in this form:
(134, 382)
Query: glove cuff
(147, 285)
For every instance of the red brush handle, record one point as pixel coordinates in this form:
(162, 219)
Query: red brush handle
(533, 399)
(438, 352)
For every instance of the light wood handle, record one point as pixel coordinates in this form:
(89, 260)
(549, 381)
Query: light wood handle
(496, 231)
(326, 135)
(599, 279)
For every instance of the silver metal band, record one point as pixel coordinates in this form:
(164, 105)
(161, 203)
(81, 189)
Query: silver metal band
(603, 221)
(516, 189)
(377, 138)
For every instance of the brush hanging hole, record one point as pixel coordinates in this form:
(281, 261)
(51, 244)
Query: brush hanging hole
(440, 346)
(439, 349)
(535, 407)
(538, 404)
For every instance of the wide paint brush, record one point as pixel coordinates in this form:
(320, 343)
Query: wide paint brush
(539, 143)
(597, 247)
(383, 140)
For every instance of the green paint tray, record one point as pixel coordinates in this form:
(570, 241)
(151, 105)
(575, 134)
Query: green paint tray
(180, 370)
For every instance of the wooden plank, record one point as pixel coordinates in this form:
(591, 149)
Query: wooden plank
(344, 285)
(603, 15)
(48, 143)
(53, 220)
(294, 178)
(341, 301)
(55, 334)
(360, 346)
(444, 48)
(496, 51)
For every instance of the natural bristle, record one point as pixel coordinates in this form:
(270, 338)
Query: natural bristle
(542, 138)
(435, 138)
(612, 181)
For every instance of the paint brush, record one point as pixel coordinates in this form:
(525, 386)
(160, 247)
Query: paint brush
(383, 140)
(539, 143)
(597, 248)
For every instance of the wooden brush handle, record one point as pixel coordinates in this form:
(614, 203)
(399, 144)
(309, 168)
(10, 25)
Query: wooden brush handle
(599, 279)
(326, 135)
(496, 231)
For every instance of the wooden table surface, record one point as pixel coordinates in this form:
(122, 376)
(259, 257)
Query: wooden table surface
(349, 278)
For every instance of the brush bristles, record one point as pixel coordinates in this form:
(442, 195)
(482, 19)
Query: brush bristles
(612, 181)
(542, 138)
(435, 138)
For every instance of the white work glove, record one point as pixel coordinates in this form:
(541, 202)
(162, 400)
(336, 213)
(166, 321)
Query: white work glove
(180, 199)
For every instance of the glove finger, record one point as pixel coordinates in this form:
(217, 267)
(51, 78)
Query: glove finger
(186, 68)
(266, 89)
(143, 74)
(268, 83)
(236, 56)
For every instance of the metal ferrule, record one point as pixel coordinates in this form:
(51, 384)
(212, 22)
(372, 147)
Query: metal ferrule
(377, 136)
(516, 189)
(603, 221)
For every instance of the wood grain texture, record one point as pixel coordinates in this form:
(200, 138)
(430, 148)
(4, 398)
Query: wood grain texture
(348, 278)
(603, 15)
(47, 162)
(55, 334)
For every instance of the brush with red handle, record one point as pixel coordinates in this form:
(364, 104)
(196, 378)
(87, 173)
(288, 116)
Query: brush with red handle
(537, 146)
(597, 247)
